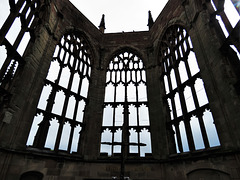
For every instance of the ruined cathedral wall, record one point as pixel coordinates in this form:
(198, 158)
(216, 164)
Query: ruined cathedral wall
(55, 21)
(215, 60)
(58, 18)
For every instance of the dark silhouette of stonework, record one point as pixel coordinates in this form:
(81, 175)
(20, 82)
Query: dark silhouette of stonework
(81, 104)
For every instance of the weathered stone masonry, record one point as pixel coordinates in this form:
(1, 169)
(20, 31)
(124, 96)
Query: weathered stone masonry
(22, 78)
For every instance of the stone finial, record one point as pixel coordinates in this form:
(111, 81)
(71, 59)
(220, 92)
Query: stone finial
(150, 20)
(102, 24)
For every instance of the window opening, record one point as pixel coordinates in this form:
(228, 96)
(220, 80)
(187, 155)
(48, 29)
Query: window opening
(15, 33)
(227, 13)
(16, 27)
(185, 93)
(64, 97)
(126, 124)
(4, 12)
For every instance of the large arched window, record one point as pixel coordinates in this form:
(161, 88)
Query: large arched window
(125, 120)
(191, 119)
(64, 96)
(17, 26)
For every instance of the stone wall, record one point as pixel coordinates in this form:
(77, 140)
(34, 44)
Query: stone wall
(59, 17)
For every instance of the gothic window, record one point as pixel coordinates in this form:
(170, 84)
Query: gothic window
(125, 121)
(15, 34)
(190, 116)
(60, 111)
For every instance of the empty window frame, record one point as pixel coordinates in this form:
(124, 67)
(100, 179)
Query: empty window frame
(125, 120)
(15, 34)
(228, 15)
(228, 11)
(191, 119)
(60, 111)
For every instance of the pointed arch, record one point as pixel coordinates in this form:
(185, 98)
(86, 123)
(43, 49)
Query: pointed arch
(180, 76)
(126, 123)
(68, 78)
(123, 49)
(92, 51)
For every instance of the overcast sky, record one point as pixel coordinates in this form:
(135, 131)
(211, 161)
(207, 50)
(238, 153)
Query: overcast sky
(120, 15)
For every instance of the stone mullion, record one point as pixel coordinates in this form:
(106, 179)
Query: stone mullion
(199, 114)
(113, 131)
(179, 139)
(63, 115)
(73, 124)
(125, 127)
(42, 132)
(125, 131)
(70, 137)
(182, 46)
(184, 107)
(41, 135)
(220, 11)
(3, 70)
(114, 109)
(179, 45)
(52, 96)
(178, 136)
(24, 26)
(181, 94)
(62, 48)
(195, 98)
(76, 111)
(164, 73)
(176, 122)
(61, 122)
(137, 107)
(203, 129)
(185, 54)
(187, 39)
(9, 21)
(6, 73)
(172, 95)
(200, 117)
(81, 59)
(66, 101)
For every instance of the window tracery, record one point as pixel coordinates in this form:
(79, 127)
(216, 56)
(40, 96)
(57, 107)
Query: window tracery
(16, 32)
(64, 96)
(125, 121)
(189, 110)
